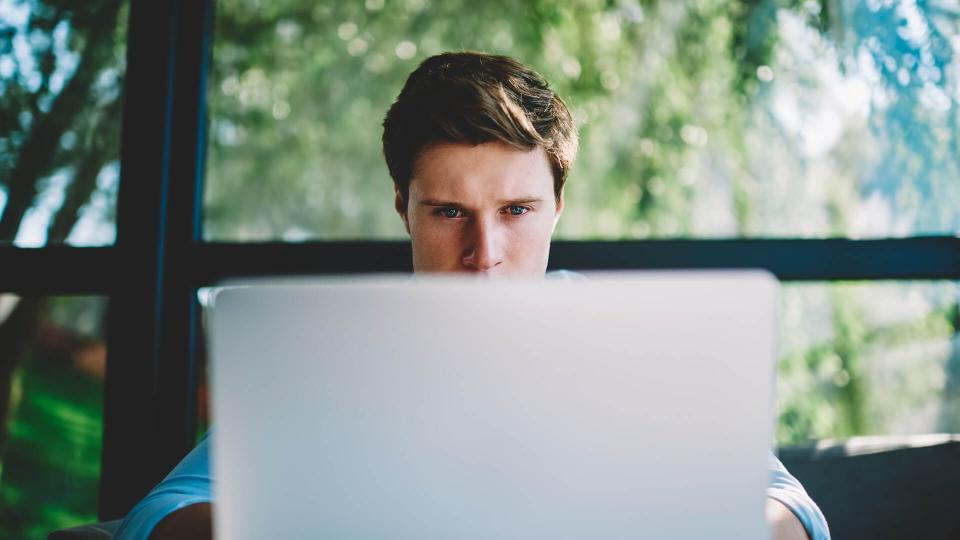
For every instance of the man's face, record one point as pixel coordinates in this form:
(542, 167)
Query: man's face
(486, 209)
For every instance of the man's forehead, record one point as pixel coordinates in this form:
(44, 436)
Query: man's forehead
(490, 170)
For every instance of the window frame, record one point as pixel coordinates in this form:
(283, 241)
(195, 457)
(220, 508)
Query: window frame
(152, 272)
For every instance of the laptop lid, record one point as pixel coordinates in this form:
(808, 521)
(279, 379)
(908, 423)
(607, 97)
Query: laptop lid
(633, 405)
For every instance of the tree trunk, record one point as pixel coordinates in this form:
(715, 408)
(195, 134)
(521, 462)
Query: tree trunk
(16, 333)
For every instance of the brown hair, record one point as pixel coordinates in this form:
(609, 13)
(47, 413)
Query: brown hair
(474, 98)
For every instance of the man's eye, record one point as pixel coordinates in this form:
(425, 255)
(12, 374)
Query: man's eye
(516, 210)
(449, 213)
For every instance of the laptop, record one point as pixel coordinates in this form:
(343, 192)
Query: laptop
(626, 405)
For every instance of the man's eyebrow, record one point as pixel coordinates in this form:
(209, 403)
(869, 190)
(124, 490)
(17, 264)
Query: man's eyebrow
(437, 202)
(522, 200)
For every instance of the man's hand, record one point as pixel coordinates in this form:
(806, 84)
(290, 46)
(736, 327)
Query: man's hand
(784, 525)
(189, 523)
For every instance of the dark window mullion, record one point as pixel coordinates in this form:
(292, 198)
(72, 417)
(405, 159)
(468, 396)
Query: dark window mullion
(175, 407)
(831, 259)
(132, 341)
(924, 258)
(58, 269)
(148, 411)
(99, 270)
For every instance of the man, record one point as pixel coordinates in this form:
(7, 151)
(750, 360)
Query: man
(479, 149)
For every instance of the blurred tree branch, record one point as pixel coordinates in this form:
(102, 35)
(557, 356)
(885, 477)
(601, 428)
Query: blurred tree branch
(40, 144)
(102, 143)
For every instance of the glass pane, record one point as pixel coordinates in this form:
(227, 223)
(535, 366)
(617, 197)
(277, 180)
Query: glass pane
(698, 119)
(61, 74)
(53, 356)
(875, 358)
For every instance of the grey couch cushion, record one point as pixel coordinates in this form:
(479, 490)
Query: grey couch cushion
(883, 487)
(95, 531)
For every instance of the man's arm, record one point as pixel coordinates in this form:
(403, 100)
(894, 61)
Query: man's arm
(789, 504)
(185, 493)
(783, 524)
(189, 523)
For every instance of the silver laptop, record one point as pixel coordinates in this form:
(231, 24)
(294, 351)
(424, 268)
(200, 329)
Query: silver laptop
(628, 406)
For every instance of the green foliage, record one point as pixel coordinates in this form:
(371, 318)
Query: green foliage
(51, 470)
(863, 359)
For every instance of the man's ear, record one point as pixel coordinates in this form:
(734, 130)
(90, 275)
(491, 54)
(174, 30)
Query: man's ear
(400, 204)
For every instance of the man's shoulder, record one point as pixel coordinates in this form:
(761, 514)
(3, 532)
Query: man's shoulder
(565, 275)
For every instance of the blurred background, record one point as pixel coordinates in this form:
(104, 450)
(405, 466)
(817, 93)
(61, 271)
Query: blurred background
(698, 119)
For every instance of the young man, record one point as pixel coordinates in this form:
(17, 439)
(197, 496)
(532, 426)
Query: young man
(479, 149)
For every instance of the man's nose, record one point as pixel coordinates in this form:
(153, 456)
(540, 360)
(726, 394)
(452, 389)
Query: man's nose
(484, 246)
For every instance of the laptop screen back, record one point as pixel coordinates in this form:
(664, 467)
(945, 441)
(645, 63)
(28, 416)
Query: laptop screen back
(622, 406)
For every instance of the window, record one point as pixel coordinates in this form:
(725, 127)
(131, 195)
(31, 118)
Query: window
(698, 119)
